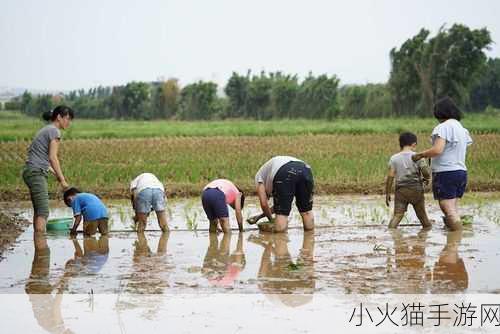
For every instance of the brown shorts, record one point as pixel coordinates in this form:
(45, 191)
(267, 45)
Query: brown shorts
(408, 195)
(90, 227)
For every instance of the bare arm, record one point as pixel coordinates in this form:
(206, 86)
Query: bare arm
(388, 185)
(54, 162)
(426, 173)
(264, 205)
(78, 219)
(256, 218)
(436, 149)
(237, 209)
(132, 200)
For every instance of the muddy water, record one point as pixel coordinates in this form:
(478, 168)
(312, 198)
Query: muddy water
(351, 251)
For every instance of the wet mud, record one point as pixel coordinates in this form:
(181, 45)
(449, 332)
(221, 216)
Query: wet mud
(350, 251)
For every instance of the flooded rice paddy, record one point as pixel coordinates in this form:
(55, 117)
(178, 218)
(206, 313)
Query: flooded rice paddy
(189, 281)
(351, 251)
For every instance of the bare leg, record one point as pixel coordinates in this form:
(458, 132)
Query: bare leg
(396, 219)
(281, 245)
(40, 241)
(307, 220)
(451, 217)
(238, 255)
(213, 226)
(225, 244)
(102, 225)
(39, 223)
(141, 221)
(419, 208)
(224, 225)
(400, 207)
(90, 228)
(449, 254)
(281, 224)
(162, 243)
(161, 216)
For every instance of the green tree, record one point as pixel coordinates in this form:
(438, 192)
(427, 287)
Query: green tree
(283, 93)
(317, 97)
(169, 98)
(424, 68)
(259, 97)
(27, 104)
(236, 90)
(136, 100)
(199, 101)
(486, 92)
(370, 100)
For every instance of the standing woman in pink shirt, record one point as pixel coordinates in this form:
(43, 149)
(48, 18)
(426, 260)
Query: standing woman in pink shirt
(215, 198)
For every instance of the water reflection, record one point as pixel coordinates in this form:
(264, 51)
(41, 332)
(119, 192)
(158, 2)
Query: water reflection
(89, 260)
(449, 274)
(280, 278)
(149, 269)
(409, 262)
(220, 266)
(46, 307)
(149, 275)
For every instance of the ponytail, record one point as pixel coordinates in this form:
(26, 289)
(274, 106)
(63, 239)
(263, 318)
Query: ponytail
(59, 110)
(47, 116)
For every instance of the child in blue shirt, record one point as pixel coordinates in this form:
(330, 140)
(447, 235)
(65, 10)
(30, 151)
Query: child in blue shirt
(91, 208)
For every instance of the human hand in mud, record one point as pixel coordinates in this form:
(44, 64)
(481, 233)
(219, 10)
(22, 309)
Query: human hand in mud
(267, 226)
(253, 220)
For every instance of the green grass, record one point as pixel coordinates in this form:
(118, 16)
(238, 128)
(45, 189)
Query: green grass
(14, 126)
(341, 163)
(346, 155)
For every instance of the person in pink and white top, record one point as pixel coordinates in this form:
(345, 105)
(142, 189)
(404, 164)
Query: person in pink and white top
(215, 198)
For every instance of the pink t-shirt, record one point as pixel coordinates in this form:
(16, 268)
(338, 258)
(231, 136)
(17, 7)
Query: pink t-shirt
(227, 187)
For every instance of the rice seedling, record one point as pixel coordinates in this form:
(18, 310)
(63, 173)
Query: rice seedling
(340, 163)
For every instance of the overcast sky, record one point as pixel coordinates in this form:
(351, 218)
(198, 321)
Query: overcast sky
(69, 44)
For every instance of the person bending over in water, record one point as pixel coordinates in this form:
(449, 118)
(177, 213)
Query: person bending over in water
(284, 178)
(94, 212)
(410, 179)
(146, 194)
(215, 197)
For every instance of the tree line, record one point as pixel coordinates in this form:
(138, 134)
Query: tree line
(424, 68)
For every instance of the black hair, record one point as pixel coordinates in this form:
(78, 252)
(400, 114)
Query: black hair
(70, 192)
(407, 139)
(445, 108)
(59, 110)
(242, 197)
